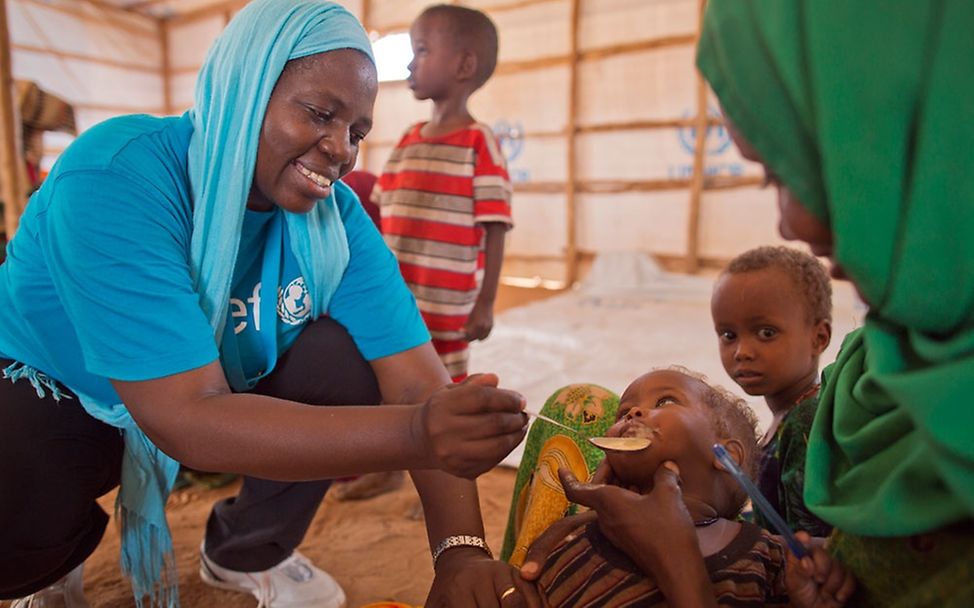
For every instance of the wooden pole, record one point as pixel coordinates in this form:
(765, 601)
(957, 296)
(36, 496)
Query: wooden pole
(166, 68)
(699, 150)
(366, 15)
(571, 236)
(12, 186)
(363, 150)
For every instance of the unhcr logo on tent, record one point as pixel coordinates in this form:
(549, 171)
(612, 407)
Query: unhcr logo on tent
(718, 138)
(716, 143)
(511, 138)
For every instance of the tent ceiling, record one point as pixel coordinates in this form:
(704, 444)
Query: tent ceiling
(161, 9)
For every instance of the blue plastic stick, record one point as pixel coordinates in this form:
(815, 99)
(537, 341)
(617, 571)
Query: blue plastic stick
(760, 501)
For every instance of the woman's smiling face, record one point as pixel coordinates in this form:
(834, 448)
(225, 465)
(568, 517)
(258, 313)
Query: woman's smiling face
(320, 110)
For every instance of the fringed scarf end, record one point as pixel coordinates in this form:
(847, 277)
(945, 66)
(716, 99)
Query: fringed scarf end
(148, 560)
(38, 379)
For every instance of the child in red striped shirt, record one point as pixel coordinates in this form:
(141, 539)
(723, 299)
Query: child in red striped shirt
(445, 193)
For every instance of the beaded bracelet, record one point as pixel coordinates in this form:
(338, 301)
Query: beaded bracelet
(460, 540)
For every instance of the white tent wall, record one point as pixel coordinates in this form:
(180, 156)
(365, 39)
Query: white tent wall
(190, 36)
(596, 115)
(104, 62)
(633, 152)
(187, 45)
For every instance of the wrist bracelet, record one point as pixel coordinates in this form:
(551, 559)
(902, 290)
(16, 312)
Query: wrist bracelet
(460, 540)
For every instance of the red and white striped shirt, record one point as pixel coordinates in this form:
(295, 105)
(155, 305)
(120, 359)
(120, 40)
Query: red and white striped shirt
(435, 194)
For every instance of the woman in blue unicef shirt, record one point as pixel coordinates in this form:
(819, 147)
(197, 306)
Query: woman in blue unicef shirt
(181, 289)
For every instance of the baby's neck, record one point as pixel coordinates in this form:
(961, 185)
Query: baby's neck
(716, 536)
(701, 510)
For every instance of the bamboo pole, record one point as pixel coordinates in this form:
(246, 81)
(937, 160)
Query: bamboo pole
(526, 65)
(632, 125)
(362, 161)
(166, 71)
(113, 108)
(629, 125)
(645, 185)
(697, 181)
(12, 187)
(366, 14)
(139, 7)
(571, 221)
(650, 44)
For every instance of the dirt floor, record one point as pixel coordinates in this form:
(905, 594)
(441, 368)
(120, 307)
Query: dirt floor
(374, 548)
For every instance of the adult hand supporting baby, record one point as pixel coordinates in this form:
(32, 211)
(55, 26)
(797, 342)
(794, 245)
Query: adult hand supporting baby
(655, 530)
(470, 426)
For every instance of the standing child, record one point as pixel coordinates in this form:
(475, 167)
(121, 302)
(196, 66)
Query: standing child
(772, 310)
(444, 193)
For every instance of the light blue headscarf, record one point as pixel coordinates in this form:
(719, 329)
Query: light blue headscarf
(232, 91)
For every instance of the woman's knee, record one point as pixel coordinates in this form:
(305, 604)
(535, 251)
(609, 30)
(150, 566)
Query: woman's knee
(323, 367)
(55, 461)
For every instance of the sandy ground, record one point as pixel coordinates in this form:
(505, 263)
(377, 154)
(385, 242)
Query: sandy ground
(373, 548)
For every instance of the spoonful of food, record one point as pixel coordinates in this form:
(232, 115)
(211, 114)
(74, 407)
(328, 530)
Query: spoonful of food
(617, 444)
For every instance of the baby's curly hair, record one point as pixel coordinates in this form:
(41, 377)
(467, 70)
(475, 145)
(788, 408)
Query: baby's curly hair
(732, 418)
(806, 272)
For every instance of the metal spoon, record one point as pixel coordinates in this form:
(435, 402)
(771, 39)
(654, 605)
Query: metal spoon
(621, 444)
(618, 444)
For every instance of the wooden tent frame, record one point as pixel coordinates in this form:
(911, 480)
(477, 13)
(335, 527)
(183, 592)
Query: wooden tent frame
(696, 184)
(12, 186)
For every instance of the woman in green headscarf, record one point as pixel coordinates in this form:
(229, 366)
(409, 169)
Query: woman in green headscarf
(862, 113)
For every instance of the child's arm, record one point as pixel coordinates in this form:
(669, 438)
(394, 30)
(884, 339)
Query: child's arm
(819, 580)
(481, 319)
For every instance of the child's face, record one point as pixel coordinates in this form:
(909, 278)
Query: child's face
(667, 407)
(436, 58)
(767, 343)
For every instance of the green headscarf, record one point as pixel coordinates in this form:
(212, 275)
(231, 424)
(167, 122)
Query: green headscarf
(865, 111)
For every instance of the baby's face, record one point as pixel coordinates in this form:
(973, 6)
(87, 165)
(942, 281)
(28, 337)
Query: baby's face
(667, 407)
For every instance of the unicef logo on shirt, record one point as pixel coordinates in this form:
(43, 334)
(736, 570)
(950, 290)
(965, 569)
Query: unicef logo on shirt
(294, 302)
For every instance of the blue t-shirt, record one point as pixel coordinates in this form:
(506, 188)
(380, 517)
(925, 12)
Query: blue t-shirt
(97, 282)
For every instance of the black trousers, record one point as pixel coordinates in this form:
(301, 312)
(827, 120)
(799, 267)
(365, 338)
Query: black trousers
(56, 460)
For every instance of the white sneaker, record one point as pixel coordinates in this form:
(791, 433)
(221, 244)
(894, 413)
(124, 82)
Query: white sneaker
(293, 583)
(66, 593)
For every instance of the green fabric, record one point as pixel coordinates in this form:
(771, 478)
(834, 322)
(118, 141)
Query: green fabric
(785, 456)
(865, 111)
(587, 407)
(934, 571)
